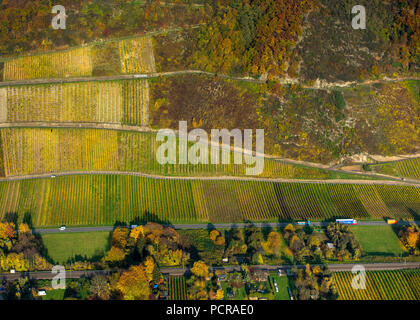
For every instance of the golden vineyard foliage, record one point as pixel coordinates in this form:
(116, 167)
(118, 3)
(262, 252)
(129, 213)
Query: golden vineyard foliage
(135, 56)
(380, 285)
(119, 102)
(72, 63)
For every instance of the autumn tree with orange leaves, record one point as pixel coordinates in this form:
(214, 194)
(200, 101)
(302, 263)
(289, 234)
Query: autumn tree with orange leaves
(410, 237)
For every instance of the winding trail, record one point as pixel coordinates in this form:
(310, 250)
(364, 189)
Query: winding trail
(115, 126)
(145, 129)
(326, 85)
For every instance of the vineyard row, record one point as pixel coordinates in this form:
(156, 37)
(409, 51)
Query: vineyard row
(128, 56)
(380, 285)
(42, 150)
(119, 102)
(105, 199)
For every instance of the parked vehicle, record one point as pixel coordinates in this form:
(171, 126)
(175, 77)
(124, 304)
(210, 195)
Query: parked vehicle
(304, 223)
(346, 221)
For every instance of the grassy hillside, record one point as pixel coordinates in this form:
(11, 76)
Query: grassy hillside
(299, 123)
(409, 168)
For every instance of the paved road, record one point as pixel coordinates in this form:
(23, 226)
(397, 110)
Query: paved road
(48, 275)
(244, 178)
(210, 225)
(180, 271)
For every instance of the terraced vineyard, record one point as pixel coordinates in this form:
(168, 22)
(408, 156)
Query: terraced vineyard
(134, 55)
(97, 101)
(104, 199)
(381, 285)
(409, 168)
(71, 63)
(131, 50)
(177, 288)
(44, 150)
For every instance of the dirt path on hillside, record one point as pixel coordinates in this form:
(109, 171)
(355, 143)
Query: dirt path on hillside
(144, 129)
(317, 85)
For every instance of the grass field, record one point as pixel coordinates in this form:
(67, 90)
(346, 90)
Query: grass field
(63, 247)
(282, 284)
(105, 199)
(54, 294)
(239, 293)
(380, 285)
(378, 240)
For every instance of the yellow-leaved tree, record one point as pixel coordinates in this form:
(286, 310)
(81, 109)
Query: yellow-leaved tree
(200, 269)
(134, 284)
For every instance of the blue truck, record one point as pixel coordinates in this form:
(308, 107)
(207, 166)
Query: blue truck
(304, 223)
(346, 221)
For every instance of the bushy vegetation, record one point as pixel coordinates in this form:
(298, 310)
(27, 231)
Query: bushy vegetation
(338, 243)
(20, 249)
(27, 25)
(204, 102)
(299, 123)
(410, 237)
(250, 37)
(332, 50)
(346, 244)
(149, 240)
(314, 283)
